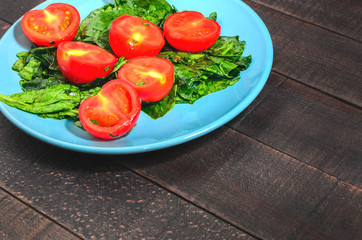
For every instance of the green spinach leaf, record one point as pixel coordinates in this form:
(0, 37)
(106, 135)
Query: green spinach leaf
(38, 69)
(159, 109)
(56, 98)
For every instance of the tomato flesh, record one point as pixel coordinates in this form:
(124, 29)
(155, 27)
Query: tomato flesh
(131, 36)
(190, 31)
(52, 25)
(152, 77)
(113, 112)
(81, 62)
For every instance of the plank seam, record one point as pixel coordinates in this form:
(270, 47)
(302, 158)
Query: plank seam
(40, 212)
(140, 174)
(296, 159)
(314, 210)
(321, 91)
(303, 20)
(5, 21)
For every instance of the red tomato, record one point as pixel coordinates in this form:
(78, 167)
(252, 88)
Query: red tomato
(152, 77)
(52, 25)
(82, 62)
(190, 31)
(133, 36)
(111, 113)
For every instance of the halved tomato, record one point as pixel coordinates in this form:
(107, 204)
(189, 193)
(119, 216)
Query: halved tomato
(152, 77)
(190, 31)
(52, 25)
(82, 62)
(111, 113)
(131, 36)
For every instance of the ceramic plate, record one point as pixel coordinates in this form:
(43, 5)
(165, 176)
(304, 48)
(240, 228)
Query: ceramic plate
(185, 122)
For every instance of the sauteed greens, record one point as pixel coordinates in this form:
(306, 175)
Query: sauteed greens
(49, 94)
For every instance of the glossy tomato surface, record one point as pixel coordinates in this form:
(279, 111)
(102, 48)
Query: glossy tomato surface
(81, 62)
(190, 31)
(52, 25)
(111, 113)
(131, 37)
(152, 77)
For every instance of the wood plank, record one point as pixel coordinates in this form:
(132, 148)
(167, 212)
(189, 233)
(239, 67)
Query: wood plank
(11, 11)
(339, 216)
(240, 180)
(18, 221)
(97, 197)
(310, 127)
(344, 17)
(319, 58)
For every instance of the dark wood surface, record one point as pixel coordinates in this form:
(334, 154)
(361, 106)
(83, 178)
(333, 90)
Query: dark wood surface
(288, 167)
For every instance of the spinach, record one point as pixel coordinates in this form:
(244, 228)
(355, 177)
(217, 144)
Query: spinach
(59, 101)
(61, 97)
(72, 113)
(38, 69)
(160, 108)
(193, 84)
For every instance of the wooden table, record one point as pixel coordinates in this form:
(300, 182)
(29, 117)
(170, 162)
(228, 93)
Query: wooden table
(288, 167)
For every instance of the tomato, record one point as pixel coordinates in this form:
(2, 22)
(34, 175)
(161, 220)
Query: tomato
(152, 77)
(52, 25)
(190, 31)
(111, 113)
(133, 36)
(82, 62)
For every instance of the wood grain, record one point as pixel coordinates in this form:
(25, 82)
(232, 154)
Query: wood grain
(11, 11)
(98, 197)
(343, 17)
(18, 221)
(311, 127)
(240, 180)
(338, 217)
(317, 57)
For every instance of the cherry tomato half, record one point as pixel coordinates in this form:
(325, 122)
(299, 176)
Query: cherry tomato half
(190, 31)
(152, 77)
(111, 113)
(52, 25)
(82, 62)
(133, 36)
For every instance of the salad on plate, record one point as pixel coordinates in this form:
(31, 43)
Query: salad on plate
(123, 58)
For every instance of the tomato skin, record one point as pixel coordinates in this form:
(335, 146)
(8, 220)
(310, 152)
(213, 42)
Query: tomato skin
(131, 37)
(82, 62)
(190, 31)
(113, 112)
(152, 77)
(52, 25)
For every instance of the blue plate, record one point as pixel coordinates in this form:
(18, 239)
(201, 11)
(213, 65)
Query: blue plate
(185, 122)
